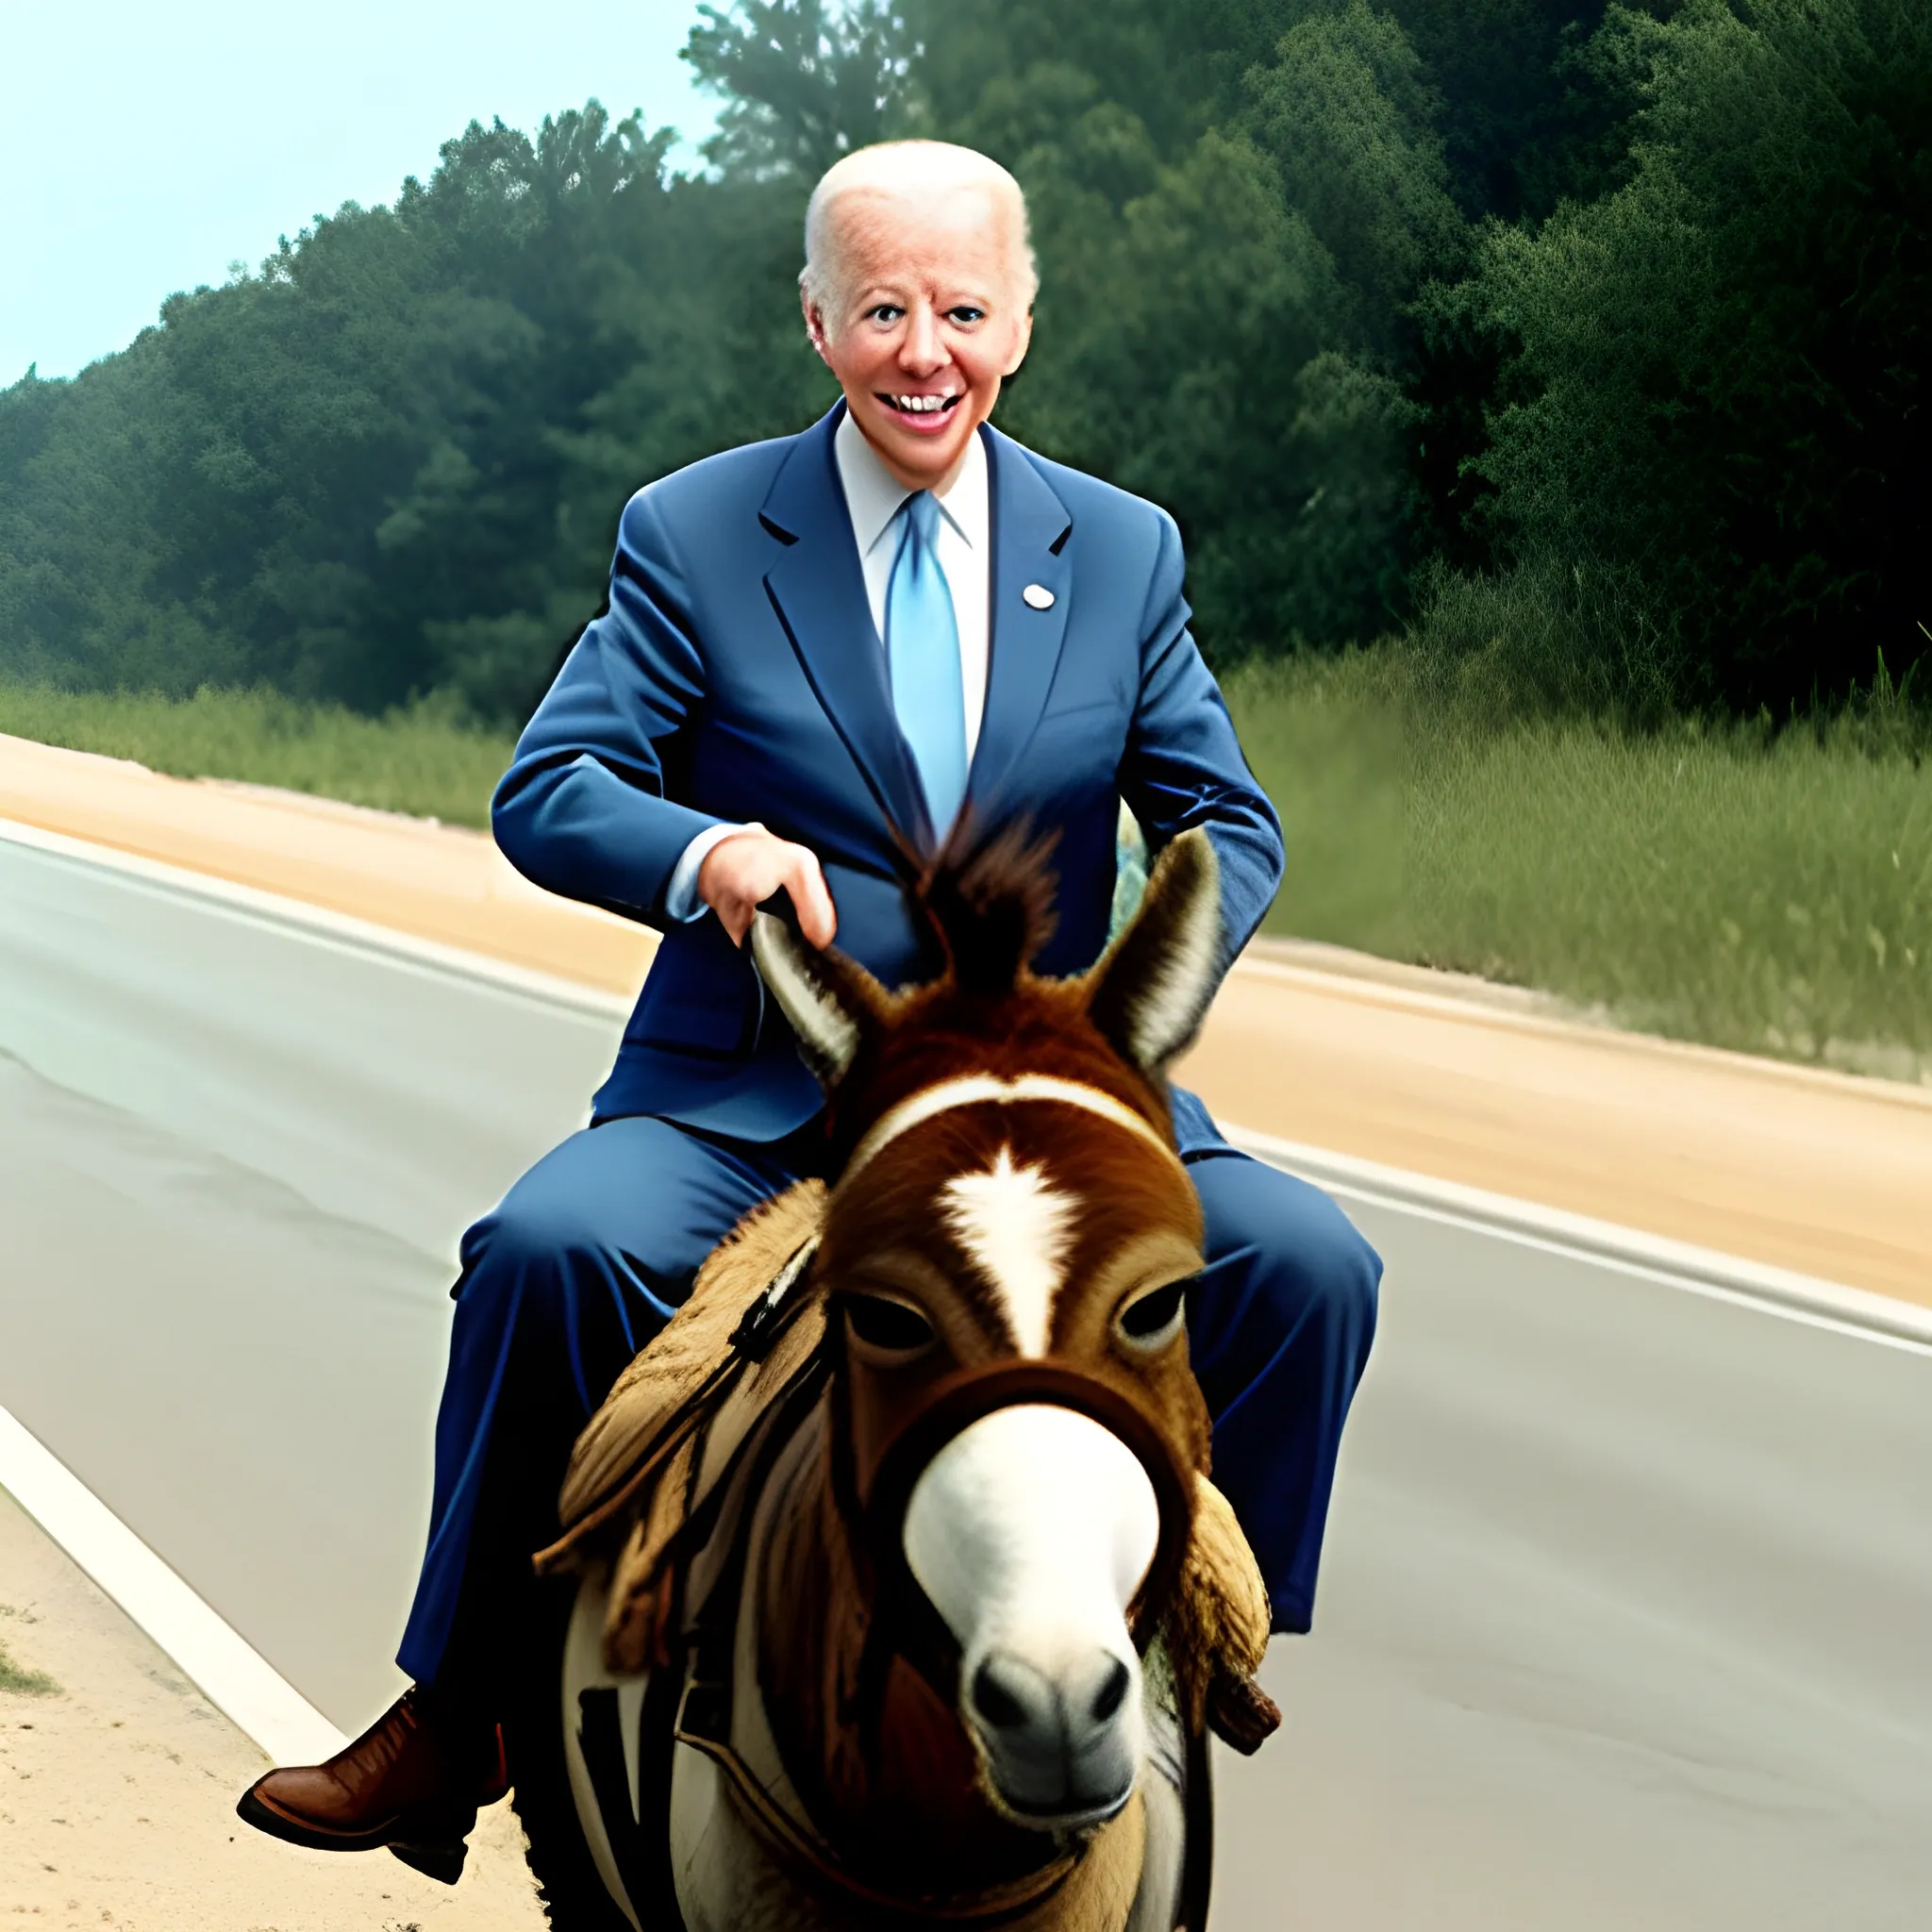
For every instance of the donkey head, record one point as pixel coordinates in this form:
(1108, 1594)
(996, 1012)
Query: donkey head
(1007, 1249)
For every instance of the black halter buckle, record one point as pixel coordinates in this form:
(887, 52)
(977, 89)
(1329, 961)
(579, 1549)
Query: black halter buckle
(761, 1324)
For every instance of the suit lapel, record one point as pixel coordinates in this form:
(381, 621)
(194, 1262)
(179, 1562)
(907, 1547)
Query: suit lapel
(1029, 528)
(818, 590)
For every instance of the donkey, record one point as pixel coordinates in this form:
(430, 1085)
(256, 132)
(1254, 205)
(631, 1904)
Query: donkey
(909, 1603)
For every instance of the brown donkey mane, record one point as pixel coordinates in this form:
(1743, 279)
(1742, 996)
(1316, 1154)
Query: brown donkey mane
(989, 910)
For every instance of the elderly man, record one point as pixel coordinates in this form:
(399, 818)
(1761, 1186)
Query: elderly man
(818, 652)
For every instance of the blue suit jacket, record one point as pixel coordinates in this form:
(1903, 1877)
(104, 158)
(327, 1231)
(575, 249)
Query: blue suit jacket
(738, 675)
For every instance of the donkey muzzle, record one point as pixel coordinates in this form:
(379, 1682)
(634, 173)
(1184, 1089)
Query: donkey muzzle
(1029, 1534)
(1034, 1518)
(1060, 1750)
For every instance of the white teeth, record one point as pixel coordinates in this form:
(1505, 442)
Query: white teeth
(921, 406)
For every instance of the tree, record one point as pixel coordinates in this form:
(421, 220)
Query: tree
(349, 475)
(1525, 117)
(1347, 111)
(1719, 372)
(804, 81)
(1201, 337)
(1681, 350)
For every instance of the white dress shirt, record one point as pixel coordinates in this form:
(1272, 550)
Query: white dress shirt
(874, 497)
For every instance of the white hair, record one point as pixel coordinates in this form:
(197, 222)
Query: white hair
(906, 168)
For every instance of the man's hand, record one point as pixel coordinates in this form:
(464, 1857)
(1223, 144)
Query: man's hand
(741, 872)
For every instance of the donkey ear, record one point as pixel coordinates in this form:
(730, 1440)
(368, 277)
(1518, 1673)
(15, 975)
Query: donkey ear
(831, 1001)
(1151, 988)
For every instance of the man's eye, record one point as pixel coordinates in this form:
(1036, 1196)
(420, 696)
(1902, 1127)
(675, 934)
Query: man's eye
(885, 313)
(965, 316)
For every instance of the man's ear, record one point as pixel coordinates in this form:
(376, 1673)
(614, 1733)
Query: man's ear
(815, 327)
(1022, 340)
(833, 1003)
(1151, 988)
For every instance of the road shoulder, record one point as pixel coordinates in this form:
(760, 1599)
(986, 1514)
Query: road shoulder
(118, 1786)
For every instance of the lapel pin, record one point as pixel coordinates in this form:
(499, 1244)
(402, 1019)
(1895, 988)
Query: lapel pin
(1039, 596)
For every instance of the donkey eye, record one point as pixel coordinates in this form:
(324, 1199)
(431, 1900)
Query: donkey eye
(1155, 1319)
(891, 1328)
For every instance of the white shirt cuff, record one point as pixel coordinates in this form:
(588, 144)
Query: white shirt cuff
(681, 901)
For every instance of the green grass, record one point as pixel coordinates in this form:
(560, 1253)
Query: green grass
(23, 1683)
(423, 761)
(1768, 892)
(1328, 738)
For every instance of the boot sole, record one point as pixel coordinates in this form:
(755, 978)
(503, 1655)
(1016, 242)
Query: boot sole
(443, 1863)
(433, 1842)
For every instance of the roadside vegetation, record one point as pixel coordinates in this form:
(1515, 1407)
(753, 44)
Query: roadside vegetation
(15, 1678)
(1768, 891)
(421, 760)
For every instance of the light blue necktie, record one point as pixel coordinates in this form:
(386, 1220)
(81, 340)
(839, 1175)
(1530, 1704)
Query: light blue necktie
(922, 658)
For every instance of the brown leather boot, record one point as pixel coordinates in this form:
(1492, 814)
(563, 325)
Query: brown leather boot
(412, 1781)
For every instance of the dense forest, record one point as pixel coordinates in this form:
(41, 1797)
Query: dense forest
(1431, 313)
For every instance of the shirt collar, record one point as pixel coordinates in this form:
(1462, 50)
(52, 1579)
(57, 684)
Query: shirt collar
(873, 495)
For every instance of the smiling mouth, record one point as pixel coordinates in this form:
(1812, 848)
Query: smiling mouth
(920, 411)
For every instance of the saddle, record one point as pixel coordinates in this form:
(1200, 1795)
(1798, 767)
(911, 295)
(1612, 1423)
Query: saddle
(656, 1463)
(652, 1467)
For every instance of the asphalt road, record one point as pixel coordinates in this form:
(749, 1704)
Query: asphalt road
(1626, 1618)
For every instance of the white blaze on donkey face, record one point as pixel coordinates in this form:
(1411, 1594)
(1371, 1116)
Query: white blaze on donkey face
(1015, 1229)
(1030, 1532)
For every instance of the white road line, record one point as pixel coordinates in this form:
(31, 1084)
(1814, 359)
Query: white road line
(230, 1672)
(319, 923)
(1779, 1292)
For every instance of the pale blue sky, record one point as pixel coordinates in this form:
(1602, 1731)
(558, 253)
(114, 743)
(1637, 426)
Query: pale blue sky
(143, 147)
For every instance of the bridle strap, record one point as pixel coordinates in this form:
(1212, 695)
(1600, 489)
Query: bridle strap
(980, 1089)
(970, 1397)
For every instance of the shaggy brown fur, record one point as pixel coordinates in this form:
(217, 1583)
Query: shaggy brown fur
(1217, 1630)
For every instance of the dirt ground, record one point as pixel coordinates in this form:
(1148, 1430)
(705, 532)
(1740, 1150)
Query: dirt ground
(118, 1789)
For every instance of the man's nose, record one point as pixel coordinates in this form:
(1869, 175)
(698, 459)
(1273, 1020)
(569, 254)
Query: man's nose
(921, 352)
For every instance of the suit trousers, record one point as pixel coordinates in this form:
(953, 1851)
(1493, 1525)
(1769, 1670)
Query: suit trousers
(590, 1252)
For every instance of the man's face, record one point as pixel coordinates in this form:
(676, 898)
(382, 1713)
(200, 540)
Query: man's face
(924, 323)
